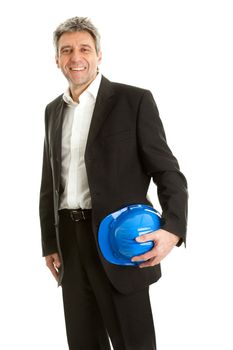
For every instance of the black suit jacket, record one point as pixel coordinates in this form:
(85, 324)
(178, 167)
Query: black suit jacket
(126, 147)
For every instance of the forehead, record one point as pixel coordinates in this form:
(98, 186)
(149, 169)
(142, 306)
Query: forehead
(76, 38)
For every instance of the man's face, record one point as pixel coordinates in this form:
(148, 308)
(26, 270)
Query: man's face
(77, 58)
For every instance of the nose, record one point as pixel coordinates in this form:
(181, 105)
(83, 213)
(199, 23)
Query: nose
(75, 56)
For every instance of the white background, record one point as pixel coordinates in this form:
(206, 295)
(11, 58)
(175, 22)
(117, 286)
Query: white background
(182, 52)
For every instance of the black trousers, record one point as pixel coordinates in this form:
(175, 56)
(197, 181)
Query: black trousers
(94, 309)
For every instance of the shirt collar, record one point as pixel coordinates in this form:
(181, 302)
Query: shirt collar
(92, 90)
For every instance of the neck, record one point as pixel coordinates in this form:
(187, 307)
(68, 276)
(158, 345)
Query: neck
(77, 90)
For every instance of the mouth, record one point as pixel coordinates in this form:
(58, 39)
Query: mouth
(77, 69)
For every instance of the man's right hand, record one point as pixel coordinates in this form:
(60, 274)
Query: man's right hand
(53, 262)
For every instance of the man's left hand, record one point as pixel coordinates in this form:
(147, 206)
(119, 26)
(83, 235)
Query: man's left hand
(163, 240)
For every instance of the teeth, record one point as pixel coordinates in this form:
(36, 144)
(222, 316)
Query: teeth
(78, 68)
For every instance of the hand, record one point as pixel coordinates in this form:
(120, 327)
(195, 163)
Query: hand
(53, 262)
(164, 242)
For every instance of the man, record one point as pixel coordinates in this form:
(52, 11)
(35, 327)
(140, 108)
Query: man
(104, 142)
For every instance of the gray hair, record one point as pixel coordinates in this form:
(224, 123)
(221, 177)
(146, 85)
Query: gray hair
(77, 24)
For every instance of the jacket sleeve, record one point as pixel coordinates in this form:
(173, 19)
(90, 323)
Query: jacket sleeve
(159, 163)
(46, 205)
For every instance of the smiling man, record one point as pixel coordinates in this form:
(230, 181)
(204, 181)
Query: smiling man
(78, 59)
(104, 142)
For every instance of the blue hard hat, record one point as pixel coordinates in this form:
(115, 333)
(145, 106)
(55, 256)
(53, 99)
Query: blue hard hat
(118, 230)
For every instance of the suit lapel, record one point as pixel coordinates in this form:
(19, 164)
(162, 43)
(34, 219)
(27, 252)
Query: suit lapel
(59, 113)
(58, 116)
(103, 106)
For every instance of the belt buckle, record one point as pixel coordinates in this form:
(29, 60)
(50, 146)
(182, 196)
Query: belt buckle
(74, 215)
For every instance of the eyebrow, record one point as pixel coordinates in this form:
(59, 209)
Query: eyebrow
(69, 46)
(86, 45)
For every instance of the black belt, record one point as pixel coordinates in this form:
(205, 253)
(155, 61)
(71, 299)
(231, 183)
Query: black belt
(76, 214)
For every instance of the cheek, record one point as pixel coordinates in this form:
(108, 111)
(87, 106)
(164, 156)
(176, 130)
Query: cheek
(65, 69)
(62, 63)
(93, 64)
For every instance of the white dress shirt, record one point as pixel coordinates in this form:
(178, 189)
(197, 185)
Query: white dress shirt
(75, 129)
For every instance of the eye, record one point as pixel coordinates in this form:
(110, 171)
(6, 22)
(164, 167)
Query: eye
(84, 49)
(66, 50)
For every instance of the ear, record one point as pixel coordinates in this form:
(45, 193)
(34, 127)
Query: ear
(57, 61)
(99, 57)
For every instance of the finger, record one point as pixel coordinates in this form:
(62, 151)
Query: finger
(147, 237)
(146, 256)
(57, 262)
(159, 255)
(54, 272)
(50, 265)
(152, 262)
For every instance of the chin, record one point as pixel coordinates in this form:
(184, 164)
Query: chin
(79, 81)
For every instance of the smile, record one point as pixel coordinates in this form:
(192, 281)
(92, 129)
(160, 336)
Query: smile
(77, 69)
